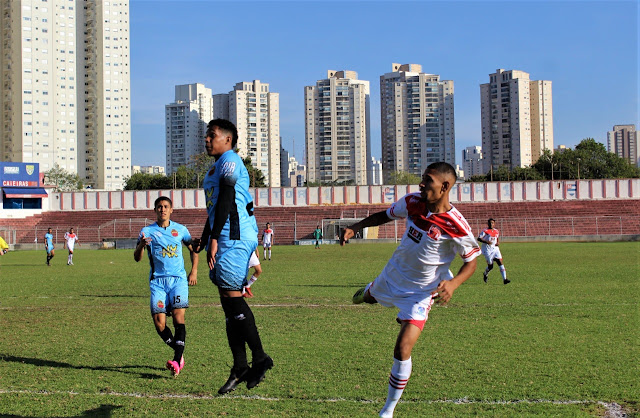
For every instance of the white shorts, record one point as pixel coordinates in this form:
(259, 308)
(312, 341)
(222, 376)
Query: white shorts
(70, 247)
(254, 260)
(491, 254)
(414, 305)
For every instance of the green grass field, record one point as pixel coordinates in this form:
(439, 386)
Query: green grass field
(561, 340)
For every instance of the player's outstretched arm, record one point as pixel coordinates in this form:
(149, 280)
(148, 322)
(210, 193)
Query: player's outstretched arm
(375, 219)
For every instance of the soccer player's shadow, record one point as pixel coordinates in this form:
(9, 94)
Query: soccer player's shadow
(101, 411)
(121, 369)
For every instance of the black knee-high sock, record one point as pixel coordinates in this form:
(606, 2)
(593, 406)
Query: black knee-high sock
(178, 345)
(251, 335)
(242, 321)
(235, 334)
(166, 336)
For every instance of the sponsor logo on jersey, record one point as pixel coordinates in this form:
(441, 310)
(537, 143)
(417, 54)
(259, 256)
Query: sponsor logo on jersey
(434, 232)
(414, 234)
(160, 304)
(174, 232)
(170, 251)
(228, 168)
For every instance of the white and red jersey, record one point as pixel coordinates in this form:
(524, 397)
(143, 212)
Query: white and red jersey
(267, 237)
(491, 235)
(428, 246)
(70, 239)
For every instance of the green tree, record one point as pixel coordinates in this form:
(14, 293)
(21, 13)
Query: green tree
(63, 180)
(143, 181)
(402, 177)
(256, 177)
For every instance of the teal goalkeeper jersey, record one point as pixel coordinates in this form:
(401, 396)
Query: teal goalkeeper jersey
(165, 249)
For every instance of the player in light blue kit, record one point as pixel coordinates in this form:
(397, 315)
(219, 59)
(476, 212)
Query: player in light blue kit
(167, 277)
(48, 245)
(231, 236)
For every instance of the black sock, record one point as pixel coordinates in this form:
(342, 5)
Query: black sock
(242, 319)
(235, 334)
(181, 334)
(166, 336)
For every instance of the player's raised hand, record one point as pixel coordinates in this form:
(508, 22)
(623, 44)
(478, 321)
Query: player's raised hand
(145, 239)
(345, 235)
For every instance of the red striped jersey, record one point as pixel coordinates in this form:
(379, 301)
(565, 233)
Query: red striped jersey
(429, 244)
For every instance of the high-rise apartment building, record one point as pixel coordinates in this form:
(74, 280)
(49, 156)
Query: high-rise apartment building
(623, 141)
(417, 119)
(65, 87)
(337, 132)
(472, 161)
(256, 113)
(186, 122)
(517, 119)
(376, 172)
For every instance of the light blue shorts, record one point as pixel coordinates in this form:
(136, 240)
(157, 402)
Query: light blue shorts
(232, 263)
(49, 249)
(168, 293)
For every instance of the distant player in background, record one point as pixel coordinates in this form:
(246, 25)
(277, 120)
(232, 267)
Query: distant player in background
(267, 240)
(168, 280)
(418, 272)
(254, 262)
(490, 239)
(48, 245)
(317, 234)
(70, 239)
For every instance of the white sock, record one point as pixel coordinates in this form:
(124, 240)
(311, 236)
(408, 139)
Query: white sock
(251, 281)
(400, 373)
(503, 271)
(265, 253)
(269, 254)
(69, 258)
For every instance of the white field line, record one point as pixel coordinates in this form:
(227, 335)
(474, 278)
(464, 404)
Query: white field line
(612, 407)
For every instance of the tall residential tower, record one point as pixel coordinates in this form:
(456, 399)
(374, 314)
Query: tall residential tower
(186, 122)
(417, 118)
(65, 87)
(337, 133)
(517, 119)
(256, 113)
(623, 141)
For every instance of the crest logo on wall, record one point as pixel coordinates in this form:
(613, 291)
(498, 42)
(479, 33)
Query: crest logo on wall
(30, 169)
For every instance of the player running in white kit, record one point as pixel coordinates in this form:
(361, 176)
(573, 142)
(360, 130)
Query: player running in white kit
(490, 239)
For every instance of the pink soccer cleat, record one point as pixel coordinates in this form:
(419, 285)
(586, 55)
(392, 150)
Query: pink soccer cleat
(174, 367)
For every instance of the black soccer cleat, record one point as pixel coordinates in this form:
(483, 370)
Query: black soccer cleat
(257, 372)
(235, 378)
(507, 281)
(485, 277)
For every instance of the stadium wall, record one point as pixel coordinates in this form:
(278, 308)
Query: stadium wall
(520, 191)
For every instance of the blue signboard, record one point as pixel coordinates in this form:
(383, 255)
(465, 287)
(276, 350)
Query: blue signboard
(19, 174)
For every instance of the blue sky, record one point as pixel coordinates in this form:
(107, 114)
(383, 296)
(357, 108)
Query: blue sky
(588, 49)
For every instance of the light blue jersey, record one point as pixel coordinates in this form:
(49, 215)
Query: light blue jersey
(229, 171)
(48, 239)
(165, 249)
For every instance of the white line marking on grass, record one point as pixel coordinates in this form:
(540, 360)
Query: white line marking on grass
(614, 410)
